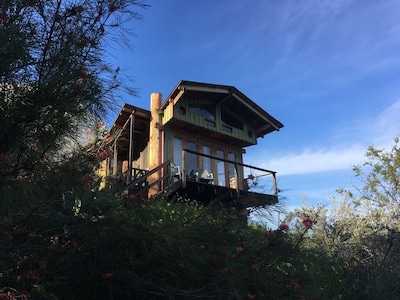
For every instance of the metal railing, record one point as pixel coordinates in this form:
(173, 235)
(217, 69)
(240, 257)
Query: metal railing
(238, 169)
(142, 184)
(166, 177)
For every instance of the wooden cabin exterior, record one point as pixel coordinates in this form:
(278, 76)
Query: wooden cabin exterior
(191, 144)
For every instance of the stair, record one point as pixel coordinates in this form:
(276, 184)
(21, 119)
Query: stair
(167, 183)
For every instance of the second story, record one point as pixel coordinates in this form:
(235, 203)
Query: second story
(219, 112)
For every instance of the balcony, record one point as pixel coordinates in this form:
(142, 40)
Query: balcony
(258, 188)
(243, 184)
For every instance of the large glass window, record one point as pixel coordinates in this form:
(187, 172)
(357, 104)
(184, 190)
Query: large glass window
(221, 169)
(192, 158)
(207, 160)
(178, 146)
(205, 110)
(224, 172)
(231, 171)
(227, 118)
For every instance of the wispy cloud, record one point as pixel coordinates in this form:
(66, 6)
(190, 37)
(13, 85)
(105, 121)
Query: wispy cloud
(332, 44)
(311, 161)
(348, 149)
(377, 130)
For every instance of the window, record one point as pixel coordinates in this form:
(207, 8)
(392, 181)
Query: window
(178, 146)
(192, 158)
(209, 122)
(226, 128)
(205, 110)
(220, 169)
(207, 160)
(231, 171)
(228, 119)
(225, 172)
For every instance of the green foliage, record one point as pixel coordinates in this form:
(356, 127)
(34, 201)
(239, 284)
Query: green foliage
(53, 76)
(156, 249)
(61, 237)
(358, 242)
(381, 188)
(215, 255)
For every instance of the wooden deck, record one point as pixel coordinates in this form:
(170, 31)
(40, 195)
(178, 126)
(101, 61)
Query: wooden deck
(169, 183)
(205, 193)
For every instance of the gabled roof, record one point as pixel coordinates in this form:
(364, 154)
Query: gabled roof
(262, 122)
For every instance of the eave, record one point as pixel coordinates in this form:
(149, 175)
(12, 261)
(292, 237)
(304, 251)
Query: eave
(262, 122)
(121, 129)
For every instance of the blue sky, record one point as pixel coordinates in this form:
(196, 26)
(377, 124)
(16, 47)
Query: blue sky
(328, 70)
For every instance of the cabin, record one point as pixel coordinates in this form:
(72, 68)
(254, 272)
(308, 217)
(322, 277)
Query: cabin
(192, 144)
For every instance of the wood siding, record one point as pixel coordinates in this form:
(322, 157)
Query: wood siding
(200, 141)
(175, 112)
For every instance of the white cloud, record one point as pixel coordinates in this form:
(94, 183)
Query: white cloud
(387, 125)
(348, 149)
(311, 161)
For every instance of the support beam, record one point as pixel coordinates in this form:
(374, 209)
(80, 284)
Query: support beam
(155, 141)
(255, 111)
(131, 143)
(176, 99)
(207, 89)
(115, 161)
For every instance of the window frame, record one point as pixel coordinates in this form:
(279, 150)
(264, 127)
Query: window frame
(214, 148)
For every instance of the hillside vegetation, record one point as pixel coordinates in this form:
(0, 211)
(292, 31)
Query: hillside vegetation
(61, 237)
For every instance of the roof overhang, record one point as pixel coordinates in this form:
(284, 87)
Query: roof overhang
(262, 122)
(121, 129)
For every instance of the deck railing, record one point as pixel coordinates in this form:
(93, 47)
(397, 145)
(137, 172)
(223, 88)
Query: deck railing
(239, 169)
(141, 183)
(168, 176)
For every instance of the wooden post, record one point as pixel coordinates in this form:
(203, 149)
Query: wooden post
(115, 161)
(155, 141)
(237, 180)
(275, 184)
(131, 142)
(183, 169)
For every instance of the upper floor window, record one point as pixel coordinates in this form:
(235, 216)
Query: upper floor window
(205, 110)
(228, 119)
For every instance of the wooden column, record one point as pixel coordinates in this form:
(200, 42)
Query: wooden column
(131, 142)
(115, 161)
(154, 141)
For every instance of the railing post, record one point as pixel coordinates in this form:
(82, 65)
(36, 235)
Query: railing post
(236, 168)
(183, 168)
(275, 184)
(131, 143)
(115, 161)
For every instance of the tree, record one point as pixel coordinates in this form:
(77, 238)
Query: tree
(54, 80)
(376, 205)
(380, 175)
(358, 241)
(53, 74)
